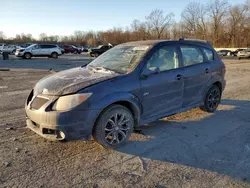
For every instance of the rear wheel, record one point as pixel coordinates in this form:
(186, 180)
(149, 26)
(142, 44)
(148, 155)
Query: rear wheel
(96, 54)
(212, 99)
(27, 55)
(114, 126)
(54, 55)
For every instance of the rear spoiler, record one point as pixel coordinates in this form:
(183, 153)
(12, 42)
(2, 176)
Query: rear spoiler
(195, 40)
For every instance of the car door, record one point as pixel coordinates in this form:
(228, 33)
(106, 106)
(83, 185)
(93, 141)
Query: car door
(162, 92)
(196, 74)
(36, 50)
(44, 49)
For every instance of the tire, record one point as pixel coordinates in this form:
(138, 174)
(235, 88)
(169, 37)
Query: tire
(54, 55)
(212, 99)
(108, 132)
(239, 58)
(27, 55)
(13, 52)
(96, 54)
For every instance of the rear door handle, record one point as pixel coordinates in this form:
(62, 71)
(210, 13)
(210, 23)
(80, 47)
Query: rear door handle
(206, 70)
(178, 77)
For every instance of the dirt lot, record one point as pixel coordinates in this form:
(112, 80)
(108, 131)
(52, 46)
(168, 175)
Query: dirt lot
(192, 149)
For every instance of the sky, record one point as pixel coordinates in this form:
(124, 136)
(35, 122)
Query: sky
(63, 17)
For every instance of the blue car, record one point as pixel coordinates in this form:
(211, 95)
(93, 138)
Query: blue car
(128, 86)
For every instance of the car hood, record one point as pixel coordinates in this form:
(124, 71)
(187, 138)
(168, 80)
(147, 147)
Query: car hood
(70, 81)
(21, 48)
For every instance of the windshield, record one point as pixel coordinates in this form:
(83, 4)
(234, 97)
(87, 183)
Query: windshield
(30, 46)
(121, 59)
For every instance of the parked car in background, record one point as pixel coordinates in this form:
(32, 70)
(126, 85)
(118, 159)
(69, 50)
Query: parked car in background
(25, 45)
(129, 86)
(85, 48)
(238, 50)
(224, 52)
(95, 52)
(39, 50)
(11, 49)
(71, 49)
(80, 48)
(244, 54)
(1, 47)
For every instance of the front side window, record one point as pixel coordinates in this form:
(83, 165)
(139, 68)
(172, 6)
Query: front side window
(191, 55)
(34, 47)
(121, 59)
(165, 58)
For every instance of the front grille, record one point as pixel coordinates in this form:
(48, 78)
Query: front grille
(38, 102)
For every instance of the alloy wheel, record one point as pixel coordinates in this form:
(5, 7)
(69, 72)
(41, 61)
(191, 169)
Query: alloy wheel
(213, 99)
(117, 128)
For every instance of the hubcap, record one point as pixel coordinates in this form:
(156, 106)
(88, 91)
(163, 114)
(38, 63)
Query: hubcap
(117, 128)
(213, 99)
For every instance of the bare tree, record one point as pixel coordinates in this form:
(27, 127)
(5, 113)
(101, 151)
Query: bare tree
(157, 22)
(237, 23)
(217, 10)
(43, 37)
(2, 35)
(194, 20)
(248, 4)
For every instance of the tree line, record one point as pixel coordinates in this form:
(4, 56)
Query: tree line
(219, 22)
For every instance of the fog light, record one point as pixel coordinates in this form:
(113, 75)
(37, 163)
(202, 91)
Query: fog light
(62, 135)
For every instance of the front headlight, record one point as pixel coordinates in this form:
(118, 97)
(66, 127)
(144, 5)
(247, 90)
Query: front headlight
(70, 101)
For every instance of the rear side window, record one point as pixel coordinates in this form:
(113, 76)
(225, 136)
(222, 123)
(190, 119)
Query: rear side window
(47, 46)
(44, 46)
(209, 54)
(191, 55)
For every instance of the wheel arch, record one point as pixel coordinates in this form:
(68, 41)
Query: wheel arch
(130, 102)
(218, 84)
(54, 52)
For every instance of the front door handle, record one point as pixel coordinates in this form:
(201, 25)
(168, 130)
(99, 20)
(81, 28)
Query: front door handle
(206, 70)
(178, 77)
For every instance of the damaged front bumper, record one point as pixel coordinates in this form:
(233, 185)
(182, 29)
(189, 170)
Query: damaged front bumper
(76, 124)
(48, 133)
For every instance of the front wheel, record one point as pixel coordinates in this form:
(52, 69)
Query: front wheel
(54, 55)
(212, 99)
(27, 55)
(114, 126)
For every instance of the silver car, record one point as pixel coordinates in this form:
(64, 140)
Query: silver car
(39, 50)
(244, 54)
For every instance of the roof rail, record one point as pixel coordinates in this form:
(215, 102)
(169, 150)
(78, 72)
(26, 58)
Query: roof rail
(194, 40)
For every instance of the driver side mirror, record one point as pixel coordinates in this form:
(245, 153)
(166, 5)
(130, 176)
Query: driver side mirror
(149, 71)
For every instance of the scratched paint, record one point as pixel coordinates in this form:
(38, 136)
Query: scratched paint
(70, 81)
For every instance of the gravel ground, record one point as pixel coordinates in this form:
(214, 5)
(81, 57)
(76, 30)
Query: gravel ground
(191, 149)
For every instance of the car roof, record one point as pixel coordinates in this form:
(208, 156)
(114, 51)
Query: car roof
(145, 42)
(155, 42)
